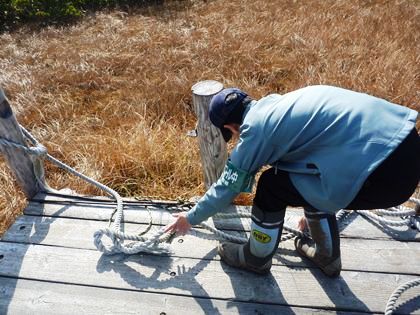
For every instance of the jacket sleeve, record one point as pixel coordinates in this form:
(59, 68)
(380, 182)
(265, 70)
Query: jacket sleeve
(247, 157)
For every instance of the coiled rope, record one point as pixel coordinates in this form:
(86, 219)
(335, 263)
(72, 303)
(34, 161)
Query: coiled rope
(407, 216)
(156, 243)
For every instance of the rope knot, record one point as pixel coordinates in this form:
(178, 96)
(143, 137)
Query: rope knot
(38, 151)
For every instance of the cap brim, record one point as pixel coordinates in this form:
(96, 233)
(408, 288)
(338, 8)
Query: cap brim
(226, 133)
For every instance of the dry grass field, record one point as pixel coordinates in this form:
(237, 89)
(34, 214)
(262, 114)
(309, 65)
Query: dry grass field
(111, 95)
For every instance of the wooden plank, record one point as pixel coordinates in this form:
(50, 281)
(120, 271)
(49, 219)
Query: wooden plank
(354, 225)
(205, 278)
(74, 198)
(366, 255)
(21, 296)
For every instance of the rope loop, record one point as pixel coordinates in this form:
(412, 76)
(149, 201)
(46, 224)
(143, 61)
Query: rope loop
(97, 240)
(37, 150)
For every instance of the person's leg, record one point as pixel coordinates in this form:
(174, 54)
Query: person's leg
(263, 241)
(395, 179)
(391, 184)
(324, 247)
(274, 193)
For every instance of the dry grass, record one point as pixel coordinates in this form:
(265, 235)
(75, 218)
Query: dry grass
(111, 95)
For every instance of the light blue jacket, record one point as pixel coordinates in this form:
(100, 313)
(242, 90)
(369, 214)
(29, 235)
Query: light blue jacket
(328, 138)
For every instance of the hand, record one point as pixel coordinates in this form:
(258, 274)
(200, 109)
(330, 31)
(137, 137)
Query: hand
(181, 225)
(302, 224)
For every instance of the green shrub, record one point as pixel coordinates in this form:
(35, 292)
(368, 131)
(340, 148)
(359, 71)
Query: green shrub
(54, 9)
(50, 11)
(6, 12)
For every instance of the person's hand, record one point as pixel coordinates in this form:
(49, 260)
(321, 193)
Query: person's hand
(181, 225)
(302, 224)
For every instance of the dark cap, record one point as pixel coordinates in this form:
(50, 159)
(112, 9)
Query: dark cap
(222, 105)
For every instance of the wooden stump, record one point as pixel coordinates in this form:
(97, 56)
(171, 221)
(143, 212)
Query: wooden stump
(18, 160)
(212, 145)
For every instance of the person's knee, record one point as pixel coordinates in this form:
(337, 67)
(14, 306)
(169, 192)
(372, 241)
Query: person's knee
(266, 179)
(269, 194)
(262, 194)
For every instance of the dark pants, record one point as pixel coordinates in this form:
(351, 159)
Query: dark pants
(391, 184)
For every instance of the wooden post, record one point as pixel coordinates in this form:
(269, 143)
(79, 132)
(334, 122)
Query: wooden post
(18, 160)
(212, 145)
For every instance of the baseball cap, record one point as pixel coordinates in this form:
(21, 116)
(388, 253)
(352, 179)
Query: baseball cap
(222, 105)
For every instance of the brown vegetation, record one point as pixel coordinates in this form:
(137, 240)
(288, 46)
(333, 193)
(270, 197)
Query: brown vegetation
(111, 95)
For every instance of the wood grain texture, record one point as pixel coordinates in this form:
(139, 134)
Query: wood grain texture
(357, 254)
(204, 278)
(20, 296)
(213, 150)
(353, 226)
(19, 161)
(48, 259)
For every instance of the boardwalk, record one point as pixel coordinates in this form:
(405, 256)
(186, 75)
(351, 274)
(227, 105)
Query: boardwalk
(49, 265)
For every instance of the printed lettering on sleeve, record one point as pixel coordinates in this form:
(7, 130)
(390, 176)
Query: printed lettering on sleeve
(236, 179)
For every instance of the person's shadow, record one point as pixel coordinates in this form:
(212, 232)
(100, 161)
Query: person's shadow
(339, 293)
(167, 275)
(251, 293)
(257, 289)
(269, 286)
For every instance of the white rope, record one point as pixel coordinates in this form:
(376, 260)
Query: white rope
(38, 150)
(370, 214)
(412, 220)
(155, 243)
(390, 306)
(141, 244)
(396, 212)
(407, 215)
(238, 239)
(150, 245)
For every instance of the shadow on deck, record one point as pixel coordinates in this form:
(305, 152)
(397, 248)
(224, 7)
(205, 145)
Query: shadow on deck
(48, 264)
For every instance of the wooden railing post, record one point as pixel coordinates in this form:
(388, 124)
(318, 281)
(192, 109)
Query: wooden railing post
(212, 146)
(18, 160)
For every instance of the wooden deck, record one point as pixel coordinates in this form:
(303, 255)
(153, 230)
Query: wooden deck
(49, 265)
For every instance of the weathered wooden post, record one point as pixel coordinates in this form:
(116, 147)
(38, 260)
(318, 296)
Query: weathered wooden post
(19, 161)
(212, 146)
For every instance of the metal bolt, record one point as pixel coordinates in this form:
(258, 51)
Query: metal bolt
(192, 133)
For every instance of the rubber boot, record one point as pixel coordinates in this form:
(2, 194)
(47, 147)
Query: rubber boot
(324, 247)
(257, 253)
